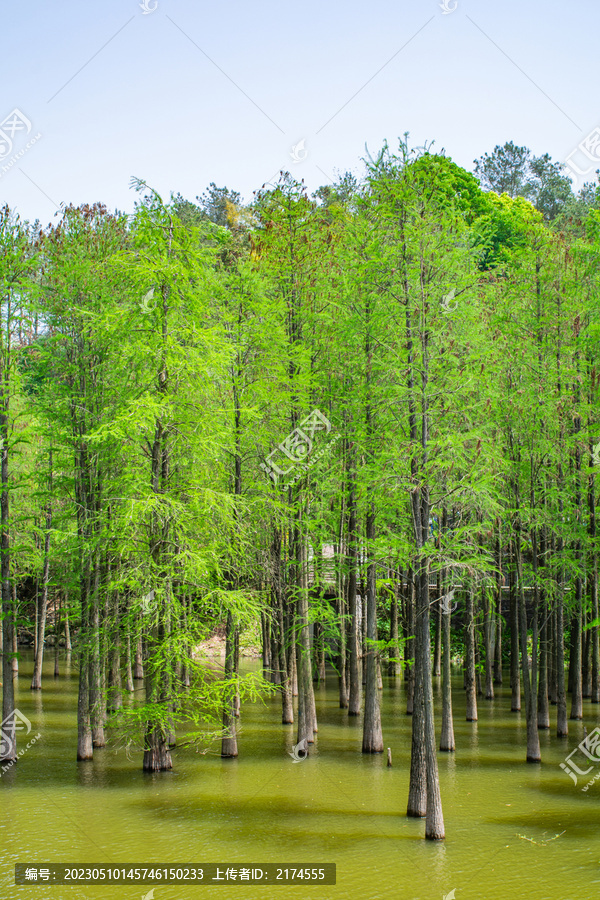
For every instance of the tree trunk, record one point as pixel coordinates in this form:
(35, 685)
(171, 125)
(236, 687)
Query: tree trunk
(56, 635)
(498, 644)
(15, 640)
(515, 676)
(8, 739)
(595, 692)
(372, 734)
(285, 635)
(437, 646)
(488, 644)
(447, 736)
(529, 678)
(543, 709)
(417, 790)
(552, 653)
(85, 748)
(562, 728)
(470, 681)
(306, 700)
(409, 644)
(115, 697)
(342, 659)
(354, 667)
(229, 746)
(138, 666)
(97, 700)
(318, 653)
(68, 645)
(586, 664)
(36, 681)
(266, 648)
(576, 696)
(394, 668)
(129, 686)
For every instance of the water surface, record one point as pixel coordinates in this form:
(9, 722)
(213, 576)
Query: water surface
(336, 806)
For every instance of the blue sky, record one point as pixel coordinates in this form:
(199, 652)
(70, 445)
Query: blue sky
(192, 93)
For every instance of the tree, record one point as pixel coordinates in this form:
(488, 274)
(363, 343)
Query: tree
(504, 170)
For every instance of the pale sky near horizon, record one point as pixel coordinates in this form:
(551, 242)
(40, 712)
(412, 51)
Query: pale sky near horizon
(188, 94)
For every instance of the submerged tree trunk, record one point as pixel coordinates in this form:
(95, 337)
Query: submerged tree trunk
(138, 666)
(318, 653)
(372, 734)
(417, 790)
(85, 748)
(488, 643)
(129, 686)
(515, 676)
(8, 739)
(306, 697)
(56, 635)
(68, 645)
(529, 677)
(576, 696)
(424, 797)
(284, 635)
(97, 698)
(409, 646)
(595, 675)
(354, 666)
(586, 664)
(342, 661)
(447, 736)
(498, 647)
(543, 708)
(437, 646)
(562, 728)
(394, 668)
(498, 612)
(470, 682)
(157, 756)
(229, 746)
(15, 638)
(36, 681)
(114, 693)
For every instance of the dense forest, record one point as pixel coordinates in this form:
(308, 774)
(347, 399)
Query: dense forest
(359, 428)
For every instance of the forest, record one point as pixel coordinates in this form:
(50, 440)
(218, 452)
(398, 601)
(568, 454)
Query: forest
(357, 429)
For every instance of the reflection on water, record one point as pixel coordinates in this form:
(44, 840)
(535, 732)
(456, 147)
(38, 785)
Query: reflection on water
(336, 806)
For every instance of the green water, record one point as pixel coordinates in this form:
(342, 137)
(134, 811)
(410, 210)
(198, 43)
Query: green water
(336, 806)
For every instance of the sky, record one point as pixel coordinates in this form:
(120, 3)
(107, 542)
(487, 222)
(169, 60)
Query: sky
(182, 94)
